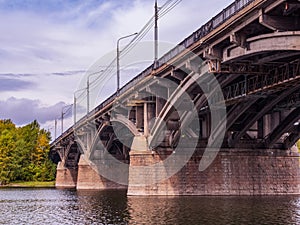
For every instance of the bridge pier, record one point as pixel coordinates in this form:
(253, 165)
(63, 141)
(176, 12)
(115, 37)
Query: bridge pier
(65, 177)
(233, 172)
(89, 179)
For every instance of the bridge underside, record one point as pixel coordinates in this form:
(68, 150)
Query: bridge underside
(254, 59)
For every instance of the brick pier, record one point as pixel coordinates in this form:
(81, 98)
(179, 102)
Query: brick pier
(233, 172)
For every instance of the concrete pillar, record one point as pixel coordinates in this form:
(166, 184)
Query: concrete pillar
(89, 140)
(260, 129)
(151, 114)
(275, 120)
(267, 124)
(139, 117)
(88, 178)
(146, 121)
(159, 105)
(204, 128)
(65, 177)
(132, 115)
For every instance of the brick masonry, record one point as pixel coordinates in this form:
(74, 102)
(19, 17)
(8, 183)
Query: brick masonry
(88, 178)
(233, 172)
(65, 178)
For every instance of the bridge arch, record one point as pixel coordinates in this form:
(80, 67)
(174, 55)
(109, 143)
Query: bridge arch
(114, 144)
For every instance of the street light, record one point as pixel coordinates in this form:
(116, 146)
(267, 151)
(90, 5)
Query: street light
(118, 60)
(62, 116)
(74, 104)
(88, 90)
(55, 131)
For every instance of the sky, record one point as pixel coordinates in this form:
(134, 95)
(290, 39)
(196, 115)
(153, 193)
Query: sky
(47, 46)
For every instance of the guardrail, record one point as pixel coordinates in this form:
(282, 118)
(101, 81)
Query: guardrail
(215, 22)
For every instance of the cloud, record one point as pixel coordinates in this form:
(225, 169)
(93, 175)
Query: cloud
(68, 73)
(23, 111)
(11, 84)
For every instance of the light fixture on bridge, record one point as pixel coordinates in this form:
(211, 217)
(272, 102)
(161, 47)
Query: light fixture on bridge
(88, 89)
(118, 60)
(62, 116)
(74, 104)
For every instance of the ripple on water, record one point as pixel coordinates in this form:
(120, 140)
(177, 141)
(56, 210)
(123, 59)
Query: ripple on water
(52, 206)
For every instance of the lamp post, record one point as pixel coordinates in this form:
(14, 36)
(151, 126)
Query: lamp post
(74, 104)
(62, 116)
(88, 90)
(155, 33)
(55, 129)
(118, 60)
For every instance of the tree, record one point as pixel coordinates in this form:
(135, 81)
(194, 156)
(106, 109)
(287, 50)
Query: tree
(7, 145)
(24, 153)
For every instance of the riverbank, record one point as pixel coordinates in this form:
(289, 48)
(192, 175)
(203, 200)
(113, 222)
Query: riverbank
(30, 184)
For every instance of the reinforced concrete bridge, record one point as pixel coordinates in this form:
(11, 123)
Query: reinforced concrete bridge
(216, 115)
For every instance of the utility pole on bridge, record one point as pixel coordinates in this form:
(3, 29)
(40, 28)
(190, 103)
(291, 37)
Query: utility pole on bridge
(155, 33)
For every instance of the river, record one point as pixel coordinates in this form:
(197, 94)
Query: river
(53, 206)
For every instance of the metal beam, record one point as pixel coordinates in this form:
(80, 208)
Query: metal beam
(266, 106)
(282, 128)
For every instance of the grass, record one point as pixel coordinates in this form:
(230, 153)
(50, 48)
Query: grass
(31, 184)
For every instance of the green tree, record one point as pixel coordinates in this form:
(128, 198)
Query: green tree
(7, 146)
(24, 153)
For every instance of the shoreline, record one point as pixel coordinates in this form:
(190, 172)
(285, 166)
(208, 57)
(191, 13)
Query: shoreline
(30, 184)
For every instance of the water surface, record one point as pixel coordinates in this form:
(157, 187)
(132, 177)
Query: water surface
(52, 206)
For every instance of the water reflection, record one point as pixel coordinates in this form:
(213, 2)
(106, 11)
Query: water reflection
(106, 207)
(215, 210)
(51, 206)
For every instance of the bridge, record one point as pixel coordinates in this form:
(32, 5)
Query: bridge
(216, 115)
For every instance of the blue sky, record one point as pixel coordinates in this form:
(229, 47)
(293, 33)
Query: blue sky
(46, 46)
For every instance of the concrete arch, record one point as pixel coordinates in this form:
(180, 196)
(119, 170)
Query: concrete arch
(199, 103)
(80, 145)
(67, 149)
(102, 128)
(119, 119)
(60, 152)
(66, 153)
(167, 109)
(187, 117)
(126, 122)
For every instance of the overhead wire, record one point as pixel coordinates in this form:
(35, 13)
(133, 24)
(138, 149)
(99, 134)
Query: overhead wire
(68, 110)
(162, 11)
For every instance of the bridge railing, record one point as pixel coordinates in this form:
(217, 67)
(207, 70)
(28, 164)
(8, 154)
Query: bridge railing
(215, 22)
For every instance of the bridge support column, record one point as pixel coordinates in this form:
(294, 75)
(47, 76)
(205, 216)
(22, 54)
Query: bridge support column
(88, 178)
(233, 172)
(65, 177)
